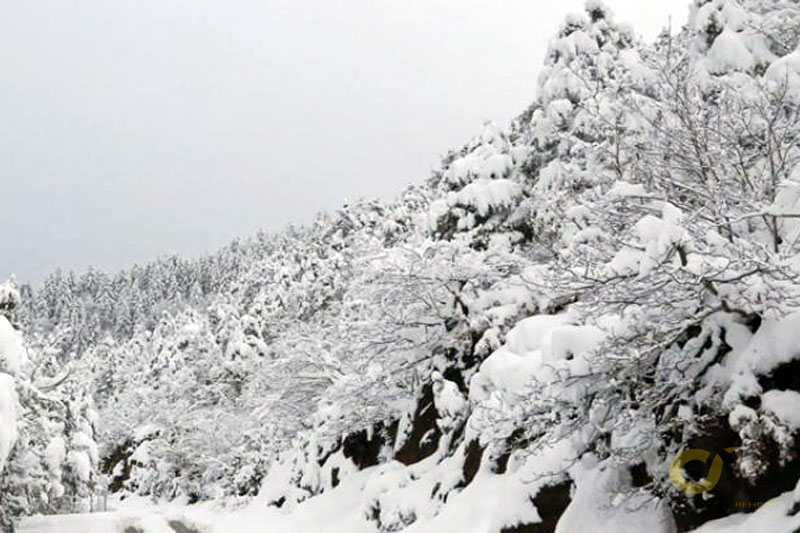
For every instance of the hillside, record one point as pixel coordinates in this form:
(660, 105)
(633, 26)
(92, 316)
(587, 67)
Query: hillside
(582, 322)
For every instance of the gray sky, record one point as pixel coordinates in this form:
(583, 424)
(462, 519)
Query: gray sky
(131, 129)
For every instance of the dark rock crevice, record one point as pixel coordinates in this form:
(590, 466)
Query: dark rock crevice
(550, 502)
(423, 439)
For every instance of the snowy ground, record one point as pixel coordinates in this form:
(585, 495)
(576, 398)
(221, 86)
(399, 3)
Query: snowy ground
(93, 523)
(141, 521)
(340, 511)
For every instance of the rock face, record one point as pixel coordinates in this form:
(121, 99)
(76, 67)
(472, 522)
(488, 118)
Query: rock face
(550, 503)
(423, 439)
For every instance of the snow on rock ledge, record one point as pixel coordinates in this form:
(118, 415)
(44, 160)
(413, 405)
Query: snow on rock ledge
(605, 503)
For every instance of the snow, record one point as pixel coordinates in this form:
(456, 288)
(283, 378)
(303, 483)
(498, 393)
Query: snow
(783, 75)
(740, 416)
(487, 159)
(436, 211)
(533, 333)
(658, 235)
(728, 52)
(560, 110)
(604, 503)
(81, 465)
(9, 294)
(661, 232)
(490, 503)
(551, 381)
(340, 510)
(597, 5)
(486, 195)
(55, 455)
(640, 72)
(777, 341)
(503, 370)
(474, 510)
(448, 399)
(13, 355)
(624, 189)
(145, 431)
(784, 404)
(739, 47)
(625, 262)
(572, 342)
(402, 497)
(772, 515)
(536, 342)
(134, 516)
(93, 523)
(575, 44)
(8, 417)
(84, 442)
(495, 166)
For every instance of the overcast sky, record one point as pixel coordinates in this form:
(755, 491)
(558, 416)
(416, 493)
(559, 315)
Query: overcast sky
(131, 129)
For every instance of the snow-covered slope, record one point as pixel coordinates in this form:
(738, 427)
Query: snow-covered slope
(586, 322)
